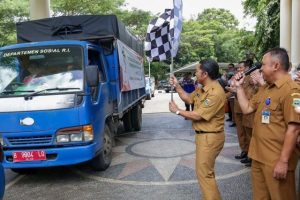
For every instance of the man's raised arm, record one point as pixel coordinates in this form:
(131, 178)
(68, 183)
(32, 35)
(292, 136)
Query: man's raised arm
(241, 96)
(186, 97)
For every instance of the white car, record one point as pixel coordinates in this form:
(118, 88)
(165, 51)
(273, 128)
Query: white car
(150, 87)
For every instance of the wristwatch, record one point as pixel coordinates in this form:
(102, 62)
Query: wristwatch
(177, 112)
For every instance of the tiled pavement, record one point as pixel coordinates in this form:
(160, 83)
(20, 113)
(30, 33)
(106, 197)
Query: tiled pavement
(155, 163)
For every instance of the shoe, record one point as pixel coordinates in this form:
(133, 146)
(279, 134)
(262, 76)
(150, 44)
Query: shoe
(241, 156)
(246, 160)
(232, 125)
(228, 120)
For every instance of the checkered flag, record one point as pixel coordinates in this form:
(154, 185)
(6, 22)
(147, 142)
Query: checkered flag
(176, 26)
(158, 39)
(163, 34)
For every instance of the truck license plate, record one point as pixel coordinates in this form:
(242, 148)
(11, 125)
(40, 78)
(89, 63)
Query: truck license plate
(23, 156)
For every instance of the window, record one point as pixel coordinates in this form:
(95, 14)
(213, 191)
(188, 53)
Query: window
(94, 58)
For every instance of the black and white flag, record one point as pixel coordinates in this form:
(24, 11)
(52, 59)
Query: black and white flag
(177, 26)
(163, 34)
(158, 38)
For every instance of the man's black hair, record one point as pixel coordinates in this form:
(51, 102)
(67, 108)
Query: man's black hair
(248, 63)
(243, 62)
(231, 64)
(282, 55)
(211, 67)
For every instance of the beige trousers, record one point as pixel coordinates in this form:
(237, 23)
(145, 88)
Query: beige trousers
(208, 147)
(265, 187)
(241, 132)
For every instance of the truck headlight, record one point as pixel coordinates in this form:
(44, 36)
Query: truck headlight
(75, 134)
(62, 138)
(76, 137)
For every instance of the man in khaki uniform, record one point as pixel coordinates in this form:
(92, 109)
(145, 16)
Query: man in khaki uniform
(275, 129)
(238, 116)
(247, 122)
(208, 122)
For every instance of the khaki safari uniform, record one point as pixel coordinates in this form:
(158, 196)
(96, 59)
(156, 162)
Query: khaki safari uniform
(243, 135)
(274, 105)
(209, 104)
(247, 121)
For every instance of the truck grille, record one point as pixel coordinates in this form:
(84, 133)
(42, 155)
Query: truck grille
(35, 140)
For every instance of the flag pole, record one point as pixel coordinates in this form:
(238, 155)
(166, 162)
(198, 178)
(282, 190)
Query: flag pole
(171, 73)
(149, 68)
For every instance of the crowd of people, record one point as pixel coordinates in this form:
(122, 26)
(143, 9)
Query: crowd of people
(264, 107)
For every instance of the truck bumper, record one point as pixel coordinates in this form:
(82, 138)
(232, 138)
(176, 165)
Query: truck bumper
(55, 157)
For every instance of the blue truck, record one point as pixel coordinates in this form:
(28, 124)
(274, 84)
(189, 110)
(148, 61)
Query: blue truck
(2, 174)
(65, 87)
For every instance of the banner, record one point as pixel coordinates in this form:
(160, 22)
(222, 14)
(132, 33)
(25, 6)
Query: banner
(132, 68)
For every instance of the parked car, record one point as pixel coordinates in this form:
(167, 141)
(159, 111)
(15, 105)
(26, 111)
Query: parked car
(2, 174)
(165, 85)
(150, 87)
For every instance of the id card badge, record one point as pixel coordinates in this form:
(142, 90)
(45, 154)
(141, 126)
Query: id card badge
(265, 117)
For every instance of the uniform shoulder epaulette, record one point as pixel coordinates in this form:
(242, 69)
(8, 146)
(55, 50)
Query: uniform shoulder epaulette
(294, 85)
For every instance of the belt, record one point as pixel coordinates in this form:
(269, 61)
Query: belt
(202, 132)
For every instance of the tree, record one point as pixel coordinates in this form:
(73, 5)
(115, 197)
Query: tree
(218, 19)
(214, 34)
(11, 12)
(158, 69)
(137, 20)
(234, 45)
(85, 7)
(267, 31)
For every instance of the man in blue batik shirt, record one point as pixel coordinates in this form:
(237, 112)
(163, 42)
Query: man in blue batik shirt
(188, 86)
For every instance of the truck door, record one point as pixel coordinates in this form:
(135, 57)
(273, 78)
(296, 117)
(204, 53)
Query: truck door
(99, 95)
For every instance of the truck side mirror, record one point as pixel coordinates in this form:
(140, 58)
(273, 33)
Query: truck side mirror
(92, 75)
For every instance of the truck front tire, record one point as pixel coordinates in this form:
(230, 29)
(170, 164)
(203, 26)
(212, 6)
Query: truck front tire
(102, 161)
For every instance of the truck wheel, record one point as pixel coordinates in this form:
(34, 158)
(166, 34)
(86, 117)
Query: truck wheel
(102, 161)
(127, 121)
(136, 118)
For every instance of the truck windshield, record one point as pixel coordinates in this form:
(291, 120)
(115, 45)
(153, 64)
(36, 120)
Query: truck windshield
(27, 70)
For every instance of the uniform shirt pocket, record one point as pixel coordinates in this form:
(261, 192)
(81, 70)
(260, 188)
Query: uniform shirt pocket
(274, 106)
(276, 112)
